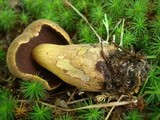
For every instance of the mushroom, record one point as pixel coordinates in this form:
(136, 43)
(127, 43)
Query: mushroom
(44, 52)
(19, 55)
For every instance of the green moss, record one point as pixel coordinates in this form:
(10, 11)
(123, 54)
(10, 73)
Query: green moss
(7, 105)
(2, 55)
(129, 39)
(96, 13)
(141, 29)
(139, 26)
(155, 24)
(152, 90)
(115, 8)
(154, 115)
(65, 117)
(91, 113)
(137, 8)
(85, 34)
(40, 112)
(8, 19)
(133, 115)
(33, 90)
(24, 18)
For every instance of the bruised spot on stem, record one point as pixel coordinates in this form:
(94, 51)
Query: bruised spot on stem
(65, 65)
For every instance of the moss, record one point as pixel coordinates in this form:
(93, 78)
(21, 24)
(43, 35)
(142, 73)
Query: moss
(141, 31)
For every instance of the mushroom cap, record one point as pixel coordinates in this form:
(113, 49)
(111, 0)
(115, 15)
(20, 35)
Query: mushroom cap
(19, 55)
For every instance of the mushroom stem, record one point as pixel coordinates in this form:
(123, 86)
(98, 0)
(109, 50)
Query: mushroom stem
(74, 64)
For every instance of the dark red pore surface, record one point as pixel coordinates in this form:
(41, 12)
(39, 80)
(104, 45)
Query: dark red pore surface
(24, 59)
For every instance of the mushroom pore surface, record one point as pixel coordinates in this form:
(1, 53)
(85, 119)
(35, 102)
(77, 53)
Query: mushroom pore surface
(24, 59)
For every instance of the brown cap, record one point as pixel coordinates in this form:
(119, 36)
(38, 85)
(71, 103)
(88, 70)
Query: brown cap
(19, 55)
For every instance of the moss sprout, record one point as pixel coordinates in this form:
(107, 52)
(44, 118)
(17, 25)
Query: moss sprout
(152, 90)
(139, 26)
(133, 115)
(34, 8)
(67, 19)
(85, 34)
(24, 18)
(115, 8)
(154, 115)
(155, 46)
(137, 8)
(96, 13)
(65, 117)
(40, 112)
(7, 105)
(156, 26)
(33, 90)
(91, 113)
(82, 5)
(129, 39)
(8, 19)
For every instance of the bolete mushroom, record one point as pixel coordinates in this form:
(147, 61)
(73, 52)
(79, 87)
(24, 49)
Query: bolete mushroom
(19, 55)
(44, 52)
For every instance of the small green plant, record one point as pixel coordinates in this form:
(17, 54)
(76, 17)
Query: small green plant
(96, 14)
(82, 5)
(3, 4)
(115, 8)
(4, 94)
(58, 5)
(33, 90)
(101, 30)
(67, 19)
(137, 8)
(129, 39)
(91, 113)
(7, 105)
(65, 117)
(34, 7)
(40, 112)
(156, 26)
(24, 18)
(157, 6)
(133, 115)
(85, 34)
(2, 54)
(50, 15)
(154, 115)
(152, 91)
(51, 10)
(139, 26)
(8, 19)
(155, 46)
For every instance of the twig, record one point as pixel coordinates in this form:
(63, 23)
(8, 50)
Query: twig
(108, 115)
(70, 98)
(86, 107)
(76, 101)
(116, 27)
(85, 19)
(103, 105)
